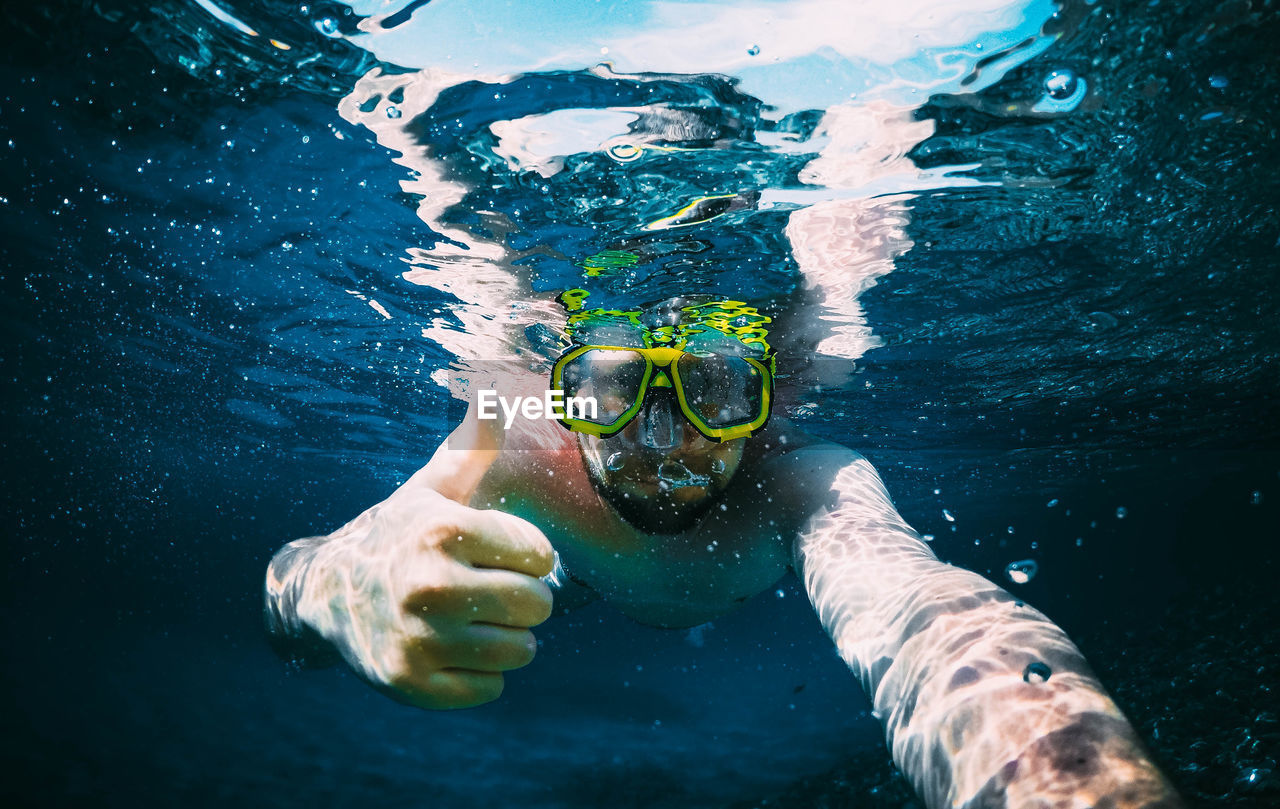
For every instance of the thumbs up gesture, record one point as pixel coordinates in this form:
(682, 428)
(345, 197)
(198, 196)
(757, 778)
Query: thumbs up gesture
(428, 599)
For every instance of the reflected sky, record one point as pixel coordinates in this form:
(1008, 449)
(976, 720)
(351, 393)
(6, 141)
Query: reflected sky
(810, 54)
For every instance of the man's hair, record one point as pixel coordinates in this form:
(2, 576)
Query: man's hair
(686, 320)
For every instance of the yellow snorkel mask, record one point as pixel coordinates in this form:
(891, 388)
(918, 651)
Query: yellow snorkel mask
(723, 397)
(713, 355)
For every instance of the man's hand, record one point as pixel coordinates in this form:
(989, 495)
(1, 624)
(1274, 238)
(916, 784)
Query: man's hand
(428, 599)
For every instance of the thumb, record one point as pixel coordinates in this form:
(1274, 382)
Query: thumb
(462, 460)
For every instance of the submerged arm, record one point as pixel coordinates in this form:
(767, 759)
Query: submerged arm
(985, 702)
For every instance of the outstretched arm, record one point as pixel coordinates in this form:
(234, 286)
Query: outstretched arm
(985, 702)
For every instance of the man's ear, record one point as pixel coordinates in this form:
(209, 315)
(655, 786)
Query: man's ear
(546, 342)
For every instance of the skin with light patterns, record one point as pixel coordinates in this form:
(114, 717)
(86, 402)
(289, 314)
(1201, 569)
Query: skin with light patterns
(431, 595)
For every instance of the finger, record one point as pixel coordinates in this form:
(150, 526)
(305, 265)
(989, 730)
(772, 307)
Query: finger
(461, 462)
(484, 647)
(485, 596)
(495, 539)
(445, 689)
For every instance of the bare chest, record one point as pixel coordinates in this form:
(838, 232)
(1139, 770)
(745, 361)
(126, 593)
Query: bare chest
(735, 552)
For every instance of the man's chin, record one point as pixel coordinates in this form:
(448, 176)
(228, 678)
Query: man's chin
(657, 511)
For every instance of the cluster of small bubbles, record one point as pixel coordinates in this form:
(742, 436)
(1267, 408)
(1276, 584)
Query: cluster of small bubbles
(1036, 672)
(1121, 513)
(717, 465)
(1021, 571)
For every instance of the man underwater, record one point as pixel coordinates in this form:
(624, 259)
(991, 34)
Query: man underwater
(677, 499)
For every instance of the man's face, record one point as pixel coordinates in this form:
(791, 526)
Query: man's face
(660, 473)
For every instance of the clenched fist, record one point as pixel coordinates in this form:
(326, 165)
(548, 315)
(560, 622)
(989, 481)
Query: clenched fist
(428, 599)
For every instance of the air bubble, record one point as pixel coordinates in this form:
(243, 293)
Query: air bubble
(393, 112)
(616, 461)
(1256, 498)
(1101, 321)
(948, 516)
(1060, 85)
(1121, 513)
(328, 26)
(754, 50)
(1218, 81)
(1022, 571)
(1036, 672)
(1063, 92)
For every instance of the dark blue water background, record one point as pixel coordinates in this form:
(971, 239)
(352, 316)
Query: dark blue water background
(1080, 370)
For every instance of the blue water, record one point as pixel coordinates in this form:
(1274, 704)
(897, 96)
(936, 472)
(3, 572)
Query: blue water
(1075, 360)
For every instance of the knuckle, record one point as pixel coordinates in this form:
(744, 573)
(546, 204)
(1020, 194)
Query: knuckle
(428, 589)
(442, 534)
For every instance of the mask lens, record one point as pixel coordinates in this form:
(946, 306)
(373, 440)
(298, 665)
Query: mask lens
(612, 377)
(724, 391)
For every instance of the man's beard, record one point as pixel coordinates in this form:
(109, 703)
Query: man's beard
(656, 513)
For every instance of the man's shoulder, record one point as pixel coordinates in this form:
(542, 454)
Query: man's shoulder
(786, 447)
(797, 469)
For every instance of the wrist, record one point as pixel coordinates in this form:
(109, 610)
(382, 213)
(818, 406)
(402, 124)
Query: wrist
(285, 594)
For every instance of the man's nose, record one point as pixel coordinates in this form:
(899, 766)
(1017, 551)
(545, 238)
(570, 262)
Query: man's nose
(659, 419)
